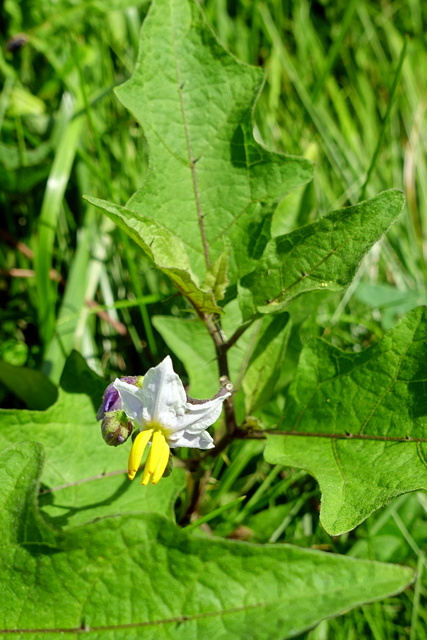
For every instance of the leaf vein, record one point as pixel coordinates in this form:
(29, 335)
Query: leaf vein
(191, 159)
(421, 455)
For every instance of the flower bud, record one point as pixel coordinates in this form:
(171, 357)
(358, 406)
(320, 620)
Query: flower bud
(111, 400)
(116, 427)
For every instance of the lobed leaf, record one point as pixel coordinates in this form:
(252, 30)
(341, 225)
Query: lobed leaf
(379, 393)
(321, 256)
(164, 248)
(209, 186)
(128, 576)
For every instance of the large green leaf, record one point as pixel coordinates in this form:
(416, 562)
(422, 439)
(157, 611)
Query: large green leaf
(376, 402)
(83, 477)
(132, 577)
(263, 367)
(322, 256)
(208, 179)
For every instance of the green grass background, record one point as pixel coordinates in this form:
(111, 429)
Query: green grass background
(346, 86)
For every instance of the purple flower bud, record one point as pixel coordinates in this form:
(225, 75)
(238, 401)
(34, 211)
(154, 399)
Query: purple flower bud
(111, 400)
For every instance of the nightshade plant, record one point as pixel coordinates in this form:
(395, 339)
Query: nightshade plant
(356, 421)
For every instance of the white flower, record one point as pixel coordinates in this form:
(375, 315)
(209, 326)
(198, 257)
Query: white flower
(166, 418)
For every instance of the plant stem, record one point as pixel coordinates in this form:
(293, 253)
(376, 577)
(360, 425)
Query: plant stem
(238, 333)
(201, 476)
(199, 480)
(214, 329)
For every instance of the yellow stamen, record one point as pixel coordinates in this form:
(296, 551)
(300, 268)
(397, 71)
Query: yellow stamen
(137, 452)
(155, 451)
(163, 462)
(154, 457)
(146, 477)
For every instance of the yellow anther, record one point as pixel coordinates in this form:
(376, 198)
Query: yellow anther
(163, 462)
(137, 452)
(146, 476)
(155, 458)
(155, 451)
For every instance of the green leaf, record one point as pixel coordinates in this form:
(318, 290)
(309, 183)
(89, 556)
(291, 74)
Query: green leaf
(264, 523)
(32, 387)
(322, 256)
(190, 341)
(392, 302)
(129, 576)
(207, 177)
(265, 362)
(83, 478)
(376, 402)
(164, 248)
(217, 278)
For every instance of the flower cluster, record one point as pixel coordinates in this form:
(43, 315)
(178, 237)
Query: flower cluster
(165, 415)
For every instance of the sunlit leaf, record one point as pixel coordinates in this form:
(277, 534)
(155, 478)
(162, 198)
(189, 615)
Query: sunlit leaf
(379, 393)
(321, 256)
(208, 179)
(128, 576)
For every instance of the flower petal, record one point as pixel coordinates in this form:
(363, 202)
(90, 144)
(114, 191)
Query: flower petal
(194, 440)
(163, 396)
(132, 400)
(110, 402)
(198, 417)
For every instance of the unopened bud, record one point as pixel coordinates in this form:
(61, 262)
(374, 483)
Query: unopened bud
(111, 400)
(116, 427)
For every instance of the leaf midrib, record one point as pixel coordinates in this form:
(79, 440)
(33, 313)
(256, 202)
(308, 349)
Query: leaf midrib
(191, 159)
(290, 600)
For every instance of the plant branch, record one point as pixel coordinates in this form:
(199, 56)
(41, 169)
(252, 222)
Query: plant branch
(199, 480)
(238, 333)
(199, 473)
